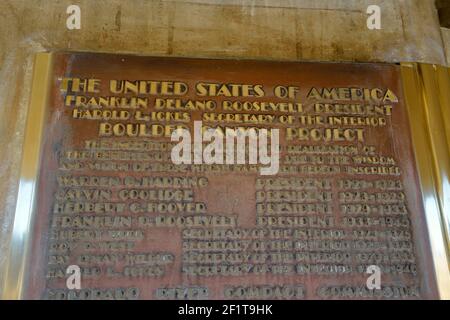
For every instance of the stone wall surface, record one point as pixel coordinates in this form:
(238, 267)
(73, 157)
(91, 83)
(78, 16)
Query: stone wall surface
(326, 30)
(446, 40)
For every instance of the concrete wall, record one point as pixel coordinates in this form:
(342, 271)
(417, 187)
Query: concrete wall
(327, 30)
(446, 40)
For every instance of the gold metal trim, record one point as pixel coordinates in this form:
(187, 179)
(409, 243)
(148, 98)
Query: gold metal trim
(26, 198)
(427, 99)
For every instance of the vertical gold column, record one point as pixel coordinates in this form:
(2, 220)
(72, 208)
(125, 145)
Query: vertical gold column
(428, 101)
(26, 198)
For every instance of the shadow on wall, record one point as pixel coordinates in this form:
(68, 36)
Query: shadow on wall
(443, 7)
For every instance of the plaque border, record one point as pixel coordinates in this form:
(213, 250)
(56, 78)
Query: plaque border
(427, 100)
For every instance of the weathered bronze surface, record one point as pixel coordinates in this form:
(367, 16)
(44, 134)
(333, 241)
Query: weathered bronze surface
(346, 196)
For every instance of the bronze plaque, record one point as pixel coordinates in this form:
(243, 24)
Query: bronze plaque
(343, 205)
